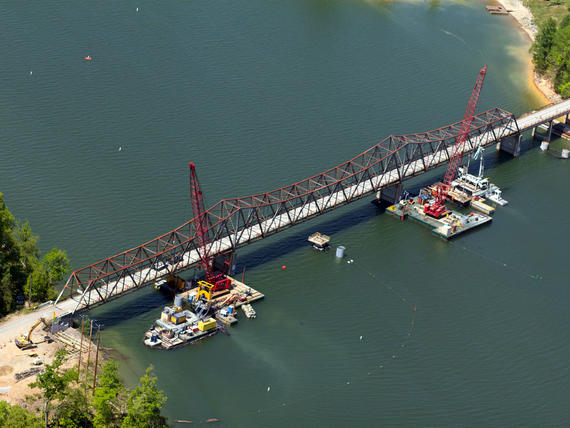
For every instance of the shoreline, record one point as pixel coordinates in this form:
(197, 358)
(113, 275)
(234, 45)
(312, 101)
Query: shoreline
(525, 20)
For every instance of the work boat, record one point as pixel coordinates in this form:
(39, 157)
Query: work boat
(494, 194)
(476, 185)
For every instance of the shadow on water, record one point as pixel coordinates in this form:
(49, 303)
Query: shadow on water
(143, 301)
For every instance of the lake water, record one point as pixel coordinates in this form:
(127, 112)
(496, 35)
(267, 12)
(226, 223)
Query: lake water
(260, 94)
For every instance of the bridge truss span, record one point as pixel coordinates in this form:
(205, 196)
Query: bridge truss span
(234, 223)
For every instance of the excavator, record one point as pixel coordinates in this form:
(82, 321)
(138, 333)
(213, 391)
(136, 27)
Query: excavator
(25, 341)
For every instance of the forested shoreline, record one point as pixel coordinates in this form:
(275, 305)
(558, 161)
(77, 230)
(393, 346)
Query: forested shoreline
(25, 275)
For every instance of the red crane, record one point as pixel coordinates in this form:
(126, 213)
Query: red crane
(203, 225)
(438, 209)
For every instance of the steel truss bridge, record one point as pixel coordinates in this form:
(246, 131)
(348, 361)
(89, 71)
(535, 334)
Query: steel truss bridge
(238, 222)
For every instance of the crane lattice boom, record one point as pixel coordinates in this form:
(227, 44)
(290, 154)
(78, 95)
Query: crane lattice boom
(438, 209)
(457, 153)
(202, 227)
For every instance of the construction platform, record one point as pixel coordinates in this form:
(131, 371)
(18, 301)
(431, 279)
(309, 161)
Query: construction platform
(181, 325)
(447, 227)
(320, 241)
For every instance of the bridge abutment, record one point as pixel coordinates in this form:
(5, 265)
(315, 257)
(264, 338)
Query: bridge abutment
(391, 194)
(510, 144)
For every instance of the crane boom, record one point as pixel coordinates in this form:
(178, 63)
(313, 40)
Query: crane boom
(457, 153)
(201, 219)
(218, 281)
(437, 209)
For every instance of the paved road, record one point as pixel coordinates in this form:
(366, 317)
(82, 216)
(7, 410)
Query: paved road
(20, 324)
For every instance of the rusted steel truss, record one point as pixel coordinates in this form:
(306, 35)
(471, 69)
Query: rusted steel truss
(241, 221)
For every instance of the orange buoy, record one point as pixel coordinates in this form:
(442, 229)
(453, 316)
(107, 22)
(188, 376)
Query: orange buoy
(88, 58)
(283, 267)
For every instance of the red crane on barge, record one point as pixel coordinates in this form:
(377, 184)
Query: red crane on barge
(437, 209)
(218, 280)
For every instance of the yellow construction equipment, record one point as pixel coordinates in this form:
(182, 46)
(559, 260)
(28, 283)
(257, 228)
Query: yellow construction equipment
(204, 289)
(25, 342)
(207, 325)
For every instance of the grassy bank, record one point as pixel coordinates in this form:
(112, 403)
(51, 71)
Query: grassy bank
(542, 10)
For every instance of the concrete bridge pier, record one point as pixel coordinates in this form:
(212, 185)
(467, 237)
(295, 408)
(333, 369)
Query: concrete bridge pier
(510, 144)
(543, 137)
(391, 194)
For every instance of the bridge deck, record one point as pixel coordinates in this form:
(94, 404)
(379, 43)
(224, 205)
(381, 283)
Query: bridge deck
(264, 215)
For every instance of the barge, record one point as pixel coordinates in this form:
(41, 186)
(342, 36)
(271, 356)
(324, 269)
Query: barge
(197, 314)
(453, 223)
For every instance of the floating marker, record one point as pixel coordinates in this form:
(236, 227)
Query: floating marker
(283, 267)
(88, 58)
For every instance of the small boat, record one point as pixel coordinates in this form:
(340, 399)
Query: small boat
(494, 194)
(248, 310)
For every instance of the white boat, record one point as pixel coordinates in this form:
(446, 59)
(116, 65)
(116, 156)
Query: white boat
(494, 194)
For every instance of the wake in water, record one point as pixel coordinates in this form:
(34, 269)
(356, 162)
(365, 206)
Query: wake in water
(453, 35)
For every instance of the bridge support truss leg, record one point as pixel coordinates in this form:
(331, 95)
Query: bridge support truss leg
(510, 144)
(391, 194)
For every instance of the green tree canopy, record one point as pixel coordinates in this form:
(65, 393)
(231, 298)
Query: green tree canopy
(108, 396)
(560, 53)
(20, 264)
(542, 44)
(73, 410)
(551, 53)
(50, 270)
(54, 381)
(144, 404)
(17, 417)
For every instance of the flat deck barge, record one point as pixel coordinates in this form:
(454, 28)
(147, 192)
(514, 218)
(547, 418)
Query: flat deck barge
(448, 227)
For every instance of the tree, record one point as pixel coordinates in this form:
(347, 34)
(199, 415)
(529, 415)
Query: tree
(108, 396)
(542, 44)
(10, 268)
(27, 245)
(560, 54)
(20, 266)
(54, 381)
(52, 268)
(17, 417)
(6, 295)
(73, 410)
(144, 404)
